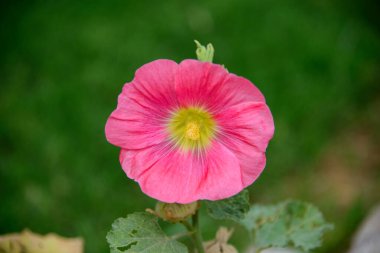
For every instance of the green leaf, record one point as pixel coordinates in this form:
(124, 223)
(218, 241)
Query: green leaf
(307, 225)
(271, 234)
(140, 232)
(290, 223)
(233, 208)
(258, 215)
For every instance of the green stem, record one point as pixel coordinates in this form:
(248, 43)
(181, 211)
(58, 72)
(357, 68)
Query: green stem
(197, 236)
(195, 232)
(188, 226)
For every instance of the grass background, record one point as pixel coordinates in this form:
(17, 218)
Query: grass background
(63, 64)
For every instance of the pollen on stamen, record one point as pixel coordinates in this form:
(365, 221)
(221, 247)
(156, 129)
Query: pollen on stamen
(191, 128)
(192, 131)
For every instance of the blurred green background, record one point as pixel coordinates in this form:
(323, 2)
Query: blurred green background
(63, 64)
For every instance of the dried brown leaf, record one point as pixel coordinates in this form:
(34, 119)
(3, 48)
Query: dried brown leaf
(219, 244)
(27, 241)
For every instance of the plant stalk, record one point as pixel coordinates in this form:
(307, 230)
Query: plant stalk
(195, 232)
(197, 235)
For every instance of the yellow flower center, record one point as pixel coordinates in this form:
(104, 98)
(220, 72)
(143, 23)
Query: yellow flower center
(192, 131)
(191, 128)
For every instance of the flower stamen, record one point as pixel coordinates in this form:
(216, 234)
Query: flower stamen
(191, 128)
(192, 131)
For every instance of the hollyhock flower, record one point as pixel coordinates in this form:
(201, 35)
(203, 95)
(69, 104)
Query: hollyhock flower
(190, 131)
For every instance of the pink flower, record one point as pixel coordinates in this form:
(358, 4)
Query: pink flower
(190, 131)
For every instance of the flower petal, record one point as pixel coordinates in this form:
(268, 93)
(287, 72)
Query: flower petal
(143, 107)
(252, 162)
(223, 176)
(183, 177)
(246, 129)
(243, 89)
(154, 84)
(210, 85)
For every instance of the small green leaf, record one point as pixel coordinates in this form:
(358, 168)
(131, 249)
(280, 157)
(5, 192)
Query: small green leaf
(233, 208)
(290, 223)
(140, 232)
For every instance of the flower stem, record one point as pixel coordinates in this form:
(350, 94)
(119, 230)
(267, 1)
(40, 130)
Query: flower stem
(197, 235)
(188, 226)
(195, 232)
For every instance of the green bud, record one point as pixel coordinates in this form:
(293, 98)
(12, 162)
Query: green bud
(174, 212)
(205, 54)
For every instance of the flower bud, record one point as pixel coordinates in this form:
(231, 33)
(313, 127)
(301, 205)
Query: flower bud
(174, 212)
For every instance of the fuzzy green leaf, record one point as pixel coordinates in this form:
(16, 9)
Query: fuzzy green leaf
(233, 208)
(290, 223)
(140, 232)
(271, 234)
